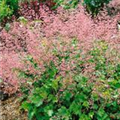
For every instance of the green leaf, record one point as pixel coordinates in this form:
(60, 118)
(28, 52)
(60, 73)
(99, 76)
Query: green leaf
(31, 113)
(75, 108)
(63, 111)
(52, 98)
(25, 105)
(81, 79)
(50, 112)
(37, 100)
(95, 97)
(7, 26)
(86, 104)
(101, 114)
(117, 85)
(84, 117)
(23, 20)
(41, 92)
(55, 84)
(81, 97)
(1, 80)
(67, 95)
(95, 106)
(91, 114)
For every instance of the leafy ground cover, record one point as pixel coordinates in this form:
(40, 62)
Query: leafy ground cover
(38, 34)
(72, 85)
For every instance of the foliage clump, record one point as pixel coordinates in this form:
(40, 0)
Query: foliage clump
(5, 11)
(94, 6)
(74, 95)
(8, 8)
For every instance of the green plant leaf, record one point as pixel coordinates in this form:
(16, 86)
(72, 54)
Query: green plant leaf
(25, 105)
(37, 100)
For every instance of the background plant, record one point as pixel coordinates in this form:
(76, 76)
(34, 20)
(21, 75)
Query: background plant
(94, 6)
(5, 10)
(13, 5)
(8, 8)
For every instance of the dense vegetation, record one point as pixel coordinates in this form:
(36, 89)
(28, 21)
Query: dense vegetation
(65, 64)
(10, 7)
(74, 95)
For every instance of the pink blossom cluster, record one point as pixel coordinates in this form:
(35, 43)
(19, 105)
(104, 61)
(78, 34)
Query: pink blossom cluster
(13, 46)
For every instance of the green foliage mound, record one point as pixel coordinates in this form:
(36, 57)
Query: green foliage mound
(5, 11)
(13, 4)
(94, 6)
(74, 95)
(8, 8)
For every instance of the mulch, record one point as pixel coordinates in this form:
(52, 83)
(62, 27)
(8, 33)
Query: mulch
(9, 109)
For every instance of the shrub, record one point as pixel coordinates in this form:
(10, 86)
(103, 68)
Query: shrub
(5, 10)
(14, 5)
(94, 6)
(75, 95)
(8, 8)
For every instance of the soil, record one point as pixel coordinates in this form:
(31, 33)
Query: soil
(9, 109)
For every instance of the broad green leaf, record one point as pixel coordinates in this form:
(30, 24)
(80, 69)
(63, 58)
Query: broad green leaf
(75, 108)
(25, 105)
(50, 112)
(37, 100)
(1, 80)
(84, 117)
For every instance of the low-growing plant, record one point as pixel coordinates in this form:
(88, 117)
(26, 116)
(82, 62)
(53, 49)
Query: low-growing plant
(47, 95)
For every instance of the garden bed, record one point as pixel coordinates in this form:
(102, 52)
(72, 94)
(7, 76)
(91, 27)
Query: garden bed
(34, 33)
